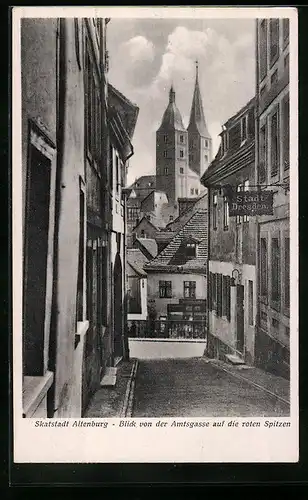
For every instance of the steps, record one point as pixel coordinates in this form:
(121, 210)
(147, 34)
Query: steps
(110, 377)
(234, 359)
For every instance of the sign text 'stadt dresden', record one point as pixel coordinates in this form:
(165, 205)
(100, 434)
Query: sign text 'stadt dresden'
(251, 203)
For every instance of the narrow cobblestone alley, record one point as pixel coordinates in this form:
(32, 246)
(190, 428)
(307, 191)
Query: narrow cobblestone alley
(197, 388)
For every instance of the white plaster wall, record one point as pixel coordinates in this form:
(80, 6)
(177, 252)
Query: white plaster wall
(177, 281)
(166, 349)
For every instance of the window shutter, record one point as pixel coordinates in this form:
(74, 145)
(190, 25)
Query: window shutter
(228, 294)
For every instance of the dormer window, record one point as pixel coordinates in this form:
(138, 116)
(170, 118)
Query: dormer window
(243, 129)
(224, 142)
(191, 249)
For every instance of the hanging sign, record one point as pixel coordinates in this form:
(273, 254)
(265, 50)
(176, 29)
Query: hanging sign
(250, 203)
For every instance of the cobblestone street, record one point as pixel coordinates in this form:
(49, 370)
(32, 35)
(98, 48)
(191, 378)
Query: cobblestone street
(198, 388)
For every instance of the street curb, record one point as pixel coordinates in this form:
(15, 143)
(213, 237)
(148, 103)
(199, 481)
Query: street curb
(127, 408)
(260, 387)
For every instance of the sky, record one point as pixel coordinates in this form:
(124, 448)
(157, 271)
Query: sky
(147, 55)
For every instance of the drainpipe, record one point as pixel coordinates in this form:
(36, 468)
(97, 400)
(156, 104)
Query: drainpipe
(125, 331)
(257, 121)
(61, 91)
(208, 268)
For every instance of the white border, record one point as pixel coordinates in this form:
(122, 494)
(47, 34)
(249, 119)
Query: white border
(123, 444)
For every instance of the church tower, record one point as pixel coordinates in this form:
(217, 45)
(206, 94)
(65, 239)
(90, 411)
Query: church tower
(199, 139)
(172, 153)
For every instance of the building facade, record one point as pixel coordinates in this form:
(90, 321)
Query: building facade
(178, 273)
(272, 170)
(232, 242)
(70, 230)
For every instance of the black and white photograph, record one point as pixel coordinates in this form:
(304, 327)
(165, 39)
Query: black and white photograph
(155, 225)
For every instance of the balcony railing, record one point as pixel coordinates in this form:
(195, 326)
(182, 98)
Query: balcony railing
(167, 329)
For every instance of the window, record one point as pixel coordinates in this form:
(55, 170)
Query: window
(189, 289)
(165, 154)
(37, 247)
(274, 39)
(226, 297)
(165, 139)
(285, 29)
(133, 214)
(196, 191)
(246, 188)
(166, 171)
(287, 272)
(263, 48)
(92, 110)
(274, 77)
(286, 132)
(165, 289)
(263, 267)
(215, 211)
(263, 154)
(244, 128)
(275, 270)
(214, 292)
(225, 142)
(117, 169)
(111, 166)
(181, 170)
(142, 233)
(206, 158)
(250, 303)
(206, 143)
(226, 213)
(192, 191)
(181, 153)
(170, 218)
(190, 249)
(274, 143)
(286, 62)
(219, 294)
(181, 138)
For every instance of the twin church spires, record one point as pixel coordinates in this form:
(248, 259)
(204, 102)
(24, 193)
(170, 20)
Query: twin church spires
(182, 155)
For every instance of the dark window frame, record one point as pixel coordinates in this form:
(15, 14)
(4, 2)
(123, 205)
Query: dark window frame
(190, 288)
(165, 289)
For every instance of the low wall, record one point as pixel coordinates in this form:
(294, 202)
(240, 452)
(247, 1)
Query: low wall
(166, 348)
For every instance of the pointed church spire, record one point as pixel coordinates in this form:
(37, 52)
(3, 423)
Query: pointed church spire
(172, 118)
(197, 119)
(171, 94)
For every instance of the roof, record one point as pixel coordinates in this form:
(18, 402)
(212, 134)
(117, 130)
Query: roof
(144, 181)
(172, 118)
(149, 244)
(148, 221)
(197, 119)
(136, 259)
(172, 257)
(128, 110)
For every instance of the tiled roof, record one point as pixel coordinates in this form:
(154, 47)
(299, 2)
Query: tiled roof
(171, 256)
(136, 259)
(149, 244)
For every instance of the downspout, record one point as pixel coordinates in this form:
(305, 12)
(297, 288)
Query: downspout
(208, 269)
(125, 332)
(61, 81)
(257, 122)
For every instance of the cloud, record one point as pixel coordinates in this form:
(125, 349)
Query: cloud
(139, 49)
(144, 72)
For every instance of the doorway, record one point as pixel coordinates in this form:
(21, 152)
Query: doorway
(240, 318)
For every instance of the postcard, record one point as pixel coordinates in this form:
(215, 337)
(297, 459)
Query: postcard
(154, 235)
